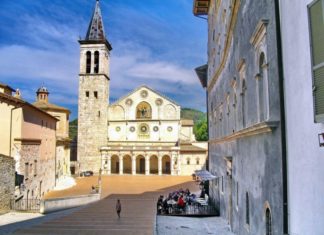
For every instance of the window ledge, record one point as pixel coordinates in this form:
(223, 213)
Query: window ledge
(256, 129)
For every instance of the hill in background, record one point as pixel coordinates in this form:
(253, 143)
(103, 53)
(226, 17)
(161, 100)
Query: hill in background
(199, 118)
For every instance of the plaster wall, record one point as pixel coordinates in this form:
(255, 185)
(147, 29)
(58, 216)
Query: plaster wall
(305, 157)
(250, 163)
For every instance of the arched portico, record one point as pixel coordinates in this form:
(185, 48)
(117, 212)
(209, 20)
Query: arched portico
(153, 164)
(166, 164)
(140, 164)
(114, 164)
(127, 163)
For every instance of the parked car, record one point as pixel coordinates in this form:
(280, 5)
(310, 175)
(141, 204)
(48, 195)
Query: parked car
(86, 173)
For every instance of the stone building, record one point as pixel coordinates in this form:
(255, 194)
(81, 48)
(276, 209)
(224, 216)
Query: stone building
(7, 182)
(141, 133)
(62, 132)
(28, 135)
(245, 117)
(265, 85)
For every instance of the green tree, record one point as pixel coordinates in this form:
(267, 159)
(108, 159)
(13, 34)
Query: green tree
(201, 130)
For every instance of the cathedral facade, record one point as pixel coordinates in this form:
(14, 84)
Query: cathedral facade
(141, 133)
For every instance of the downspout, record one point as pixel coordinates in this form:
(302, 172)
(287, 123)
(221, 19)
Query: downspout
(283, 120)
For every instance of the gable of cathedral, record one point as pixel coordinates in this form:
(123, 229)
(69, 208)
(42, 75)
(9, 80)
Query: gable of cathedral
(146, 104)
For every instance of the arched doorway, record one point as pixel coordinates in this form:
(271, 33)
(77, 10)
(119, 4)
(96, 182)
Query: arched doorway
(166, 164)
(127, 164)
(140, 164)
(114, 164)
(154, 164)
(268, 222)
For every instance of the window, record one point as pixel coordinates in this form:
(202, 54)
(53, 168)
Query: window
(88, 62)
(188, 161)
(260, 87)
(98, 113)
(247, 209)
(96, 62)
(268, 222)
(143, 111)
(35, 167)
(222, 184)
(87, 94)
(26, 170)
(197, 161)
(316, 19)
(95, 94)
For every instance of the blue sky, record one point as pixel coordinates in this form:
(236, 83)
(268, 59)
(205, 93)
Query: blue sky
(155, 42)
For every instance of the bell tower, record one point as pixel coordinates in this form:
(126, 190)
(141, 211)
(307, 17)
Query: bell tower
(93, 93)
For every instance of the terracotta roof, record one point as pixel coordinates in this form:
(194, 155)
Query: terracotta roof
(48, 106)
(191, 148)
(6, 86)
(187, 122)
(19, 102)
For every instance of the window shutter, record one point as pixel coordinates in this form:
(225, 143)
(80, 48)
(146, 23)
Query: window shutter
(317, 41)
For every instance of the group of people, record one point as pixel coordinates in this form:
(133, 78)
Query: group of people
(176, 200)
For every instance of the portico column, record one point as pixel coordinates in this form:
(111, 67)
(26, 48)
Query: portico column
(133, 165)
(121, 167)
(147, 164)
(109, 164)
(172, 164)
(179, 164)
(160, 164)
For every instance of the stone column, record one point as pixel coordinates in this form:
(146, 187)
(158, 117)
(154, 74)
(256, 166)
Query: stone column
(147, 164)
(133, 165)
(172, 163)
(160, 164)
(109, 164)
(179, 164)
(121, 167)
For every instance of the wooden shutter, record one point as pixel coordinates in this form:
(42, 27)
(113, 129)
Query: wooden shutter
(317, 41)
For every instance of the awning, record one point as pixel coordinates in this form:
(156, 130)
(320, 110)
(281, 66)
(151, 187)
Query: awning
(204, 175)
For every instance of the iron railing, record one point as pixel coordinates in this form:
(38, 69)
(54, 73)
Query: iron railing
(30, 205)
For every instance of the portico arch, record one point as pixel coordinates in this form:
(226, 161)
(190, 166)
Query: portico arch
(127, 163)
(140, 164)
(166, 164)
(114, 164)
(153, 164)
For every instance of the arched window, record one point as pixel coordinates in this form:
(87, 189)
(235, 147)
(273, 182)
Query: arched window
(143, 111)
(261, 91)
(247, 209)
(96, 62)
(88, 62)
(268, 222)
(243, 94)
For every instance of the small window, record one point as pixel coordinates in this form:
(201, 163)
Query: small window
(96, 62)
(87, 94)
(35, 167)
(268, 222)
(98, 113)
(197, 161)
(188, 161)
(316, 22)
(26, 170)
(247, 209)
(95, 94)
(88, 62)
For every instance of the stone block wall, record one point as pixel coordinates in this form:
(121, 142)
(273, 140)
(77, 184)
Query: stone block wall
(7, 182)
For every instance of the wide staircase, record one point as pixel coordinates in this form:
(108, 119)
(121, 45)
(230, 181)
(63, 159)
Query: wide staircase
(137, 217)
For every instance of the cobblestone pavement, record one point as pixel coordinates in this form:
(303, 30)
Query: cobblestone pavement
(174, 225)
(138, 195)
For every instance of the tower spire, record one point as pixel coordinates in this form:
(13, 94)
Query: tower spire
(96, 29)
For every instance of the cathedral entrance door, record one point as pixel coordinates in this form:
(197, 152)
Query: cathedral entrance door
(142, 165)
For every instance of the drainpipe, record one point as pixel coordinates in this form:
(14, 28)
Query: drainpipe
(283, 120)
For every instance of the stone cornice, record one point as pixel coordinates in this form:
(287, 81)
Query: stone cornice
(227, 45)
(259, 128)
(259, 32)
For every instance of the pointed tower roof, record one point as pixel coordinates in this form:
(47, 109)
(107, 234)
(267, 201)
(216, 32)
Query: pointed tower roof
(96, 31)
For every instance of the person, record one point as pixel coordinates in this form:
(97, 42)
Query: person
(160, 204)
(118, 208)
(181, 203)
